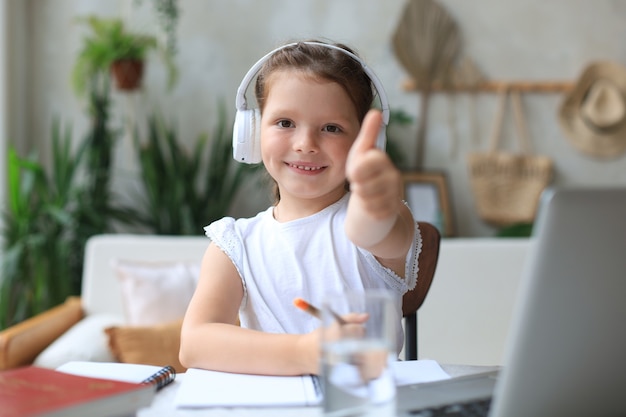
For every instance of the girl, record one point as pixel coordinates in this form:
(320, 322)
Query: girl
(318, 134)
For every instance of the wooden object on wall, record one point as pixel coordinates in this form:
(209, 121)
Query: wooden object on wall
(496, 86)
(427, 43)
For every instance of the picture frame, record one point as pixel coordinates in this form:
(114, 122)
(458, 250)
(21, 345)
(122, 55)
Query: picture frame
(428, 197)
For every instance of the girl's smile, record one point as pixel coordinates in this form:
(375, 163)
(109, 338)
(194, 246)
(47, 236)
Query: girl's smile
(309, 169)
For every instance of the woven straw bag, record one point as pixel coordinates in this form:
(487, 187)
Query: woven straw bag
(507, 186)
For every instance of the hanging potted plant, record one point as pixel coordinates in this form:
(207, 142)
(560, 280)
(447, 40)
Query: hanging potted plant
(112, 49)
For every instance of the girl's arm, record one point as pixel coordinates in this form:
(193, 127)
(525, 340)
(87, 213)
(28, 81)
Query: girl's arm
(377, 219)
(212, 339)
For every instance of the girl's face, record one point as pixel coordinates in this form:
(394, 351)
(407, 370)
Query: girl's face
(307, 128)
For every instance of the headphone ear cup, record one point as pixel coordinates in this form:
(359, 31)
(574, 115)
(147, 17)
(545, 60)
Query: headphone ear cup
(247, 136)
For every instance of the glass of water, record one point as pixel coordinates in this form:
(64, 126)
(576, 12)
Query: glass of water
(358, 343)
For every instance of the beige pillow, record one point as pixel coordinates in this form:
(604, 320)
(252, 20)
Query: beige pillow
(150, 345)
(156, 292)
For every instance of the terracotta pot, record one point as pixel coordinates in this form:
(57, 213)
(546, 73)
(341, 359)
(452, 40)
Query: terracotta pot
(127, 74)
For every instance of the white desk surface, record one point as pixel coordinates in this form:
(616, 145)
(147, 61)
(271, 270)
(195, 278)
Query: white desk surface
(163, 404)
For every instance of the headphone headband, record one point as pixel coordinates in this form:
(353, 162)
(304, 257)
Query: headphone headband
(240, 100)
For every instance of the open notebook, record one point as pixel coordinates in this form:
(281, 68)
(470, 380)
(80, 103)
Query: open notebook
(202, 388)
(566, 346)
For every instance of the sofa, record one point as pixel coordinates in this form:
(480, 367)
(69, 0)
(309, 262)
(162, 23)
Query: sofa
(136, 288)
(134, 293)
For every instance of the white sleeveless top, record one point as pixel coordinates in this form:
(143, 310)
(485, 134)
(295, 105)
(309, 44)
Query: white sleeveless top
(308, 258)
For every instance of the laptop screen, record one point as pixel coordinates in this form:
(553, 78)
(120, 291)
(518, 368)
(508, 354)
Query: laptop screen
(567, 343)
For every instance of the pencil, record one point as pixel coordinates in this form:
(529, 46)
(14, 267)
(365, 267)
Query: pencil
(309, 308)
(314, 311)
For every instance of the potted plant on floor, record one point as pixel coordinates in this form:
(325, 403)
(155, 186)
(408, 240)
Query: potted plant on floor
(112, 49)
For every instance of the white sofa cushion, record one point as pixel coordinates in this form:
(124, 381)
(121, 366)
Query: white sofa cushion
(155, 292)
(85, 341)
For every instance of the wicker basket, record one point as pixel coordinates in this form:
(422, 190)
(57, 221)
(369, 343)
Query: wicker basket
(507, 186)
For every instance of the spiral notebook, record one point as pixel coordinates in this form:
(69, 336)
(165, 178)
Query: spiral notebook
(158, 376)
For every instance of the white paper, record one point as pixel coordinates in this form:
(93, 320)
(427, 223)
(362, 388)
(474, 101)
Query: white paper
(203, 388)
(414, 372)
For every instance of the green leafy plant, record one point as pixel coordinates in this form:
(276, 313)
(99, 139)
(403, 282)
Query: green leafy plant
(97, 208)
(108, 42)
(516, 230)
(38, 228)
(398, 120)
(167, 14)
(184, 190)
(50, 216)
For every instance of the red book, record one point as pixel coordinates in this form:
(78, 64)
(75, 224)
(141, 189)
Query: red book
(39, 392)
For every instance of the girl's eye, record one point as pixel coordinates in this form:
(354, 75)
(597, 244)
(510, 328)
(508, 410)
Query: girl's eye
(332, 129)
(285, 123)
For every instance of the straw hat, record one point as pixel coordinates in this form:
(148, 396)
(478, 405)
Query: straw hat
(593, 114)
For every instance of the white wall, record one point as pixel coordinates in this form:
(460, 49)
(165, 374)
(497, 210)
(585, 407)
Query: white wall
(219, 40)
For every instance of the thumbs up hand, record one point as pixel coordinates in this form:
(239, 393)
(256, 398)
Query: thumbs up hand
(375, 182)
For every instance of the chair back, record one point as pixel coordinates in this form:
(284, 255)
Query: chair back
(412, 300)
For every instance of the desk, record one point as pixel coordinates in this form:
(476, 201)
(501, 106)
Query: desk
(163, 404)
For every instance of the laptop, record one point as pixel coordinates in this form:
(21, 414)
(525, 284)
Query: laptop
(565, 353)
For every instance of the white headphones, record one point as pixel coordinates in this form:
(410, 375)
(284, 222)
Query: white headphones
(247, 128)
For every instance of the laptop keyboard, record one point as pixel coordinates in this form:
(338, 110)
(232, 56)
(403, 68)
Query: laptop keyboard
(478, 408)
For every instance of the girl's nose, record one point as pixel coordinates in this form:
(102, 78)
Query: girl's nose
(305, 141)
